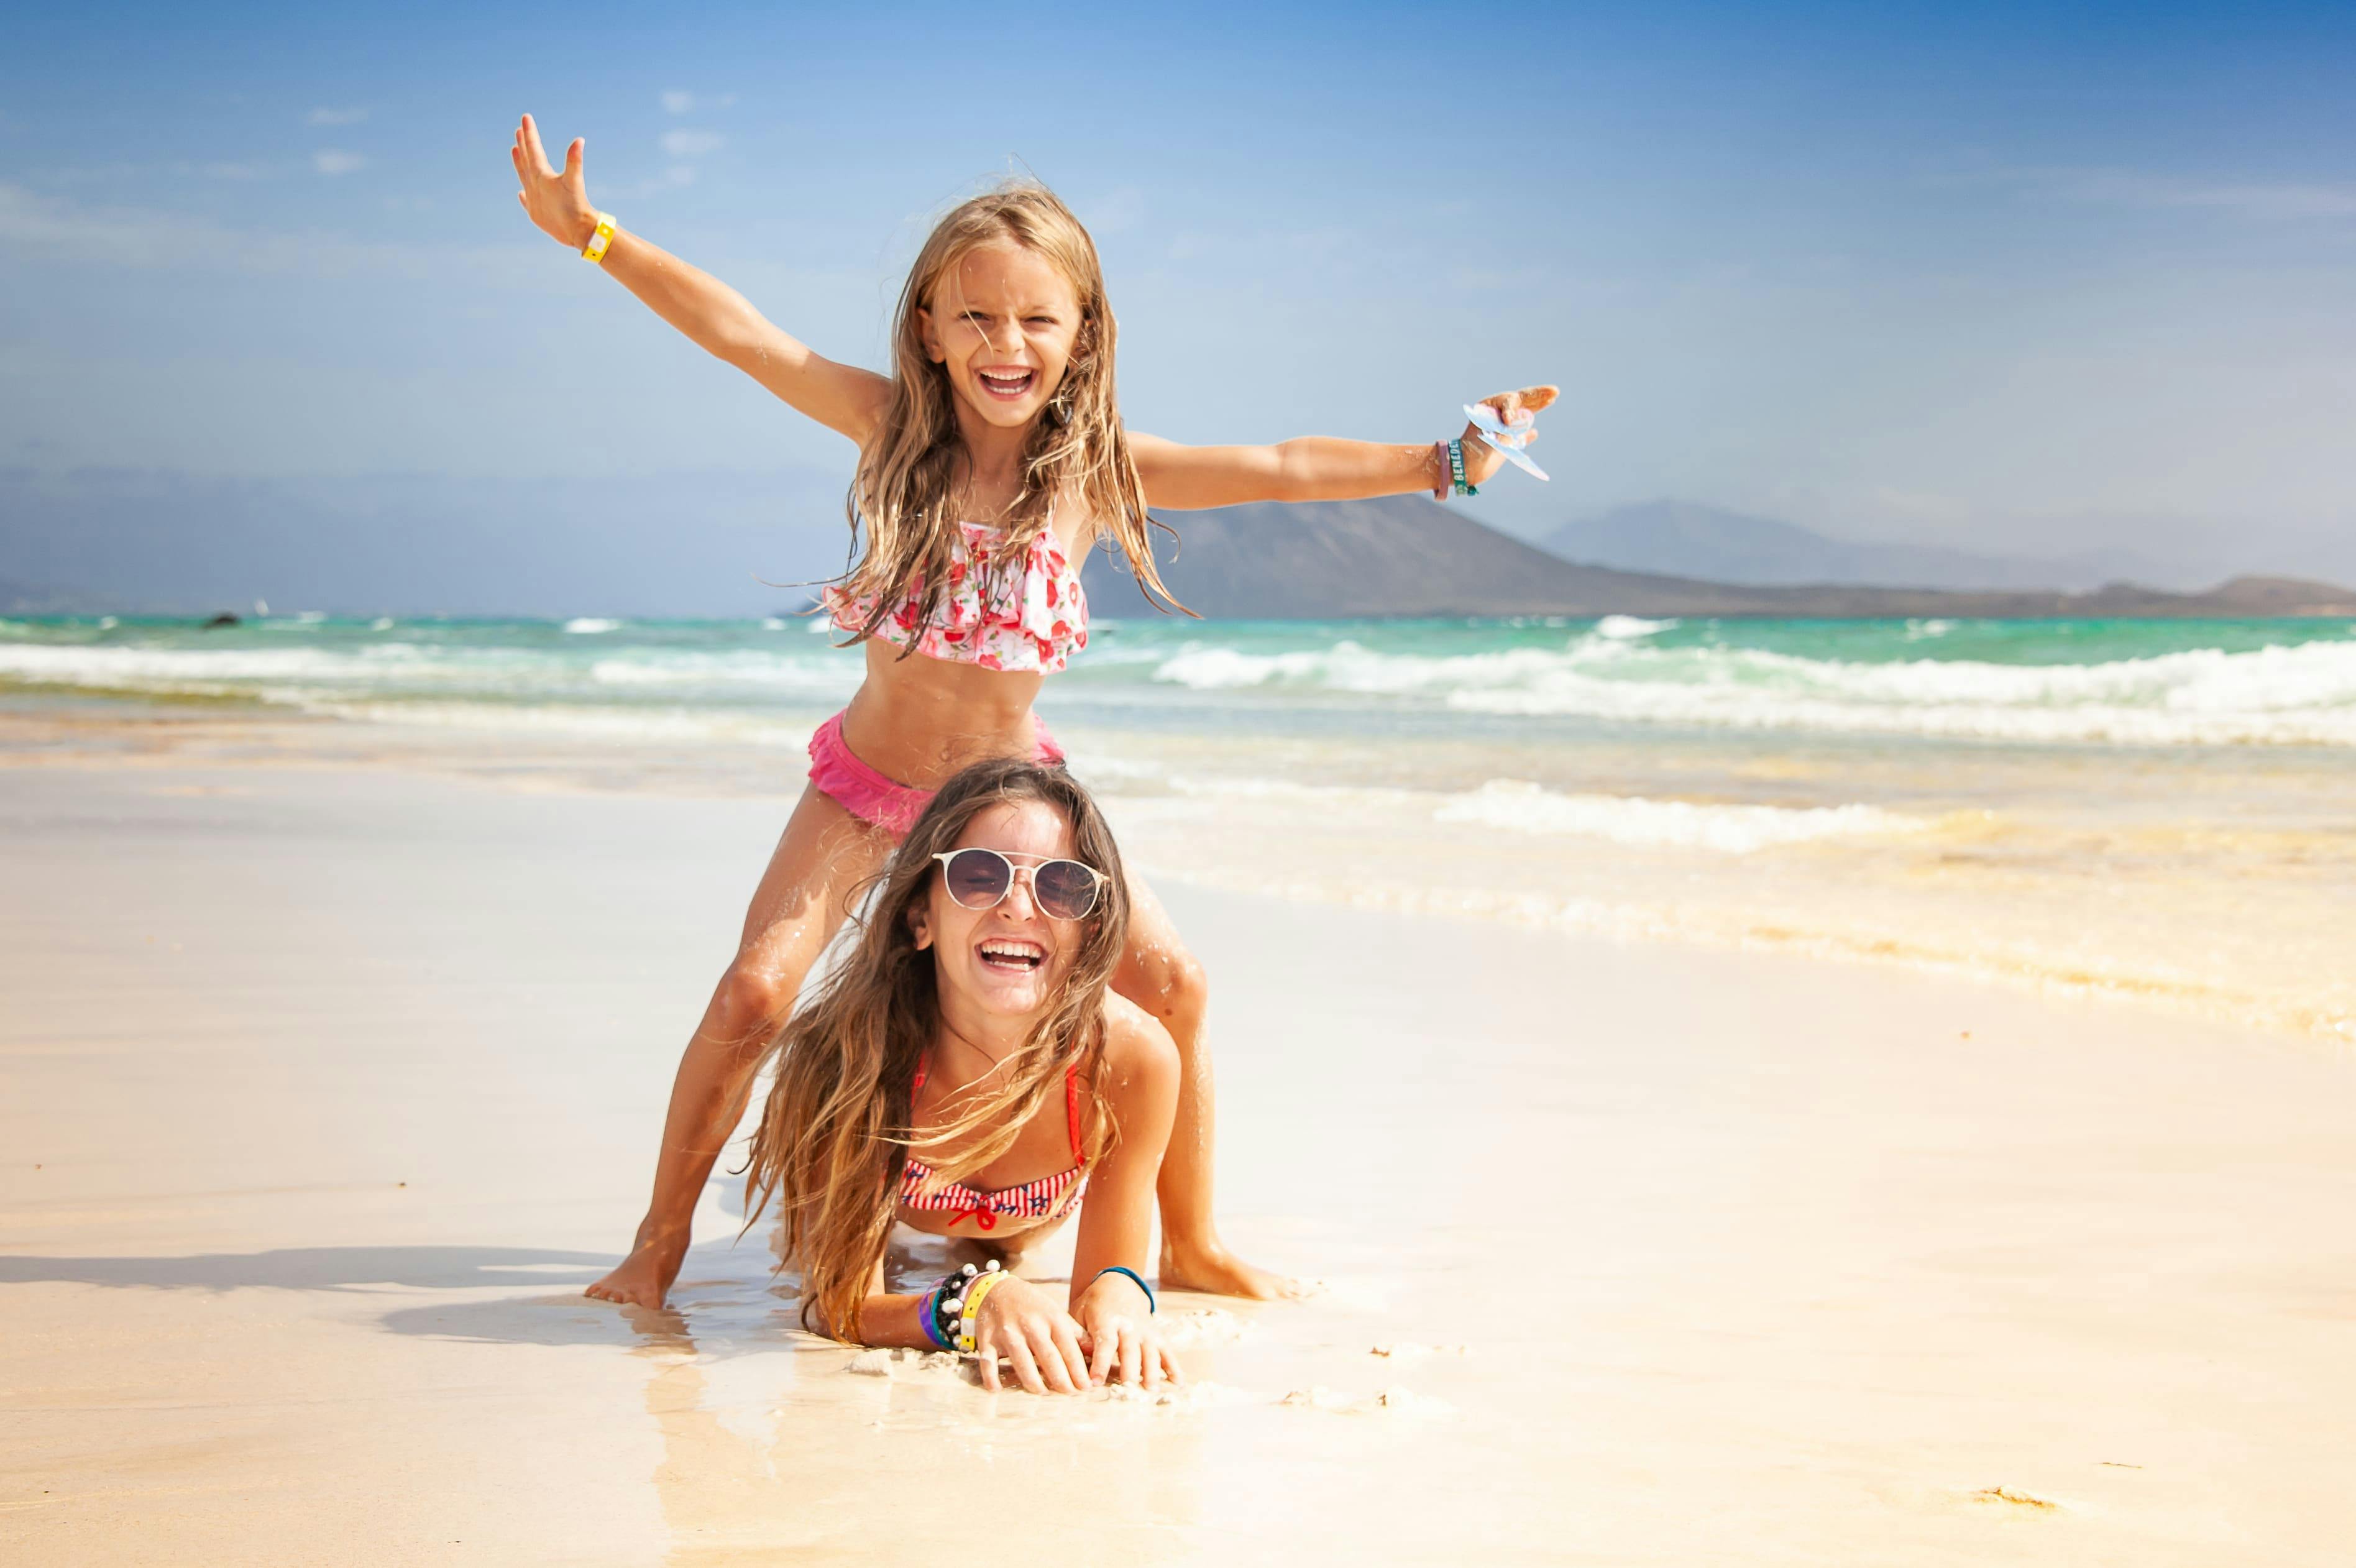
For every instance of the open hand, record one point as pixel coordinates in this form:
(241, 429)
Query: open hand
(1123, 1343)
(1019, 1322)
(1481, 459)
(558, 203)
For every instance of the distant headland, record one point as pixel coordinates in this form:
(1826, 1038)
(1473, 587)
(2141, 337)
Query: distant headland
(1406, 556)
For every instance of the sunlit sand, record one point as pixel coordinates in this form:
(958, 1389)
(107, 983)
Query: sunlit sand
(331, 1063)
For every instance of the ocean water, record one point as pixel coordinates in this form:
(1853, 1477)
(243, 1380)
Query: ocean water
(2162, 810)
(2118, 682)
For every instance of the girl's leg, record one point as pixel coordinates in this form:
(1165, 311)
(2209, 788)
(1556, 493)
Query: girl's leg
(801, 902)
(1158, 974)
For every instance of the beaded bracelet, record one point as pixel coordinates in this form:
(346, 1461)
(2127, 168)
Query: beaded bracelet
(1151, 1307)
(968, 1339)
(945, 1308)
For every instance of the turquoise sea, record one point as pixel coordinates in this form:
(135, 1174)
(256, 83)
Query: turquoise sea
(2097, 682)
(2156, 809)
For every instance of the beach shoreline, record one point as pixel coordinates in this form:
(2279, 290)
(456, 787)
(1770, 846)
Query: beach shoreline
(2178, 890)
(333, 1074)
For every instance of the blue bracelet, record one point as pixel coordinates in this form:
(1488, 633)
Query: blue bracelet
(1151, 1307)
(928, 1314)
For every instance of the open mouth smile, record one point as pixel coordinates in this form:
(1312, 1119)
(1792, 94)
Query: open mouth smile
(1009, 955)
(1007, 383)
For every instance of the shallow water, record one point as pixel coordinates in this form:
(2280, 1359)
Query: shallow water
(2161, 810)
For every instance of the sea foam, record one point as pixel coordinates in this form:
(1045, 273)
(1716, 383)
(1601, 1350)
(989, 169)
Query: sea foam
(2301, 693)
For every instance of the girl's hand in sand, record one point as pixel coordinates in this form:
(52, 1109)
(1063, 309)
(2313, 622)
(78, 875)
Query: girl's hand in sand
(1481, 459)
(1123, 1340)
(1022, 1323)
(558, 202)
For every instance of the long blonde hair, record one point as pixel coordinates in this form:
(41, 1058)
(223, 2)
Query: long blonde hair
(903, 497)
(838, 1127)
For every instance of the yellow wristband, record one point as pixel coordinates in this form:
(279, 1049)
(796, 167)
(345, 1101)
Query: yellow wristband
(974, 1297)
(595, 251)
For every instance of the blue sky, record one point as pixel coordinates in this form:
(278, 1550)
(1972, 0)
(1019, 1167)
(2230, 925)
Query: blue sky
(2034, 279)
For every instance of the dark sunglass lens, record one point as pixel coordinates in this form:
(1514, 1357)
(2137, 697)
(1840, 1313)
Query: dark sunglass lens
(1067, 890)
(977, 878)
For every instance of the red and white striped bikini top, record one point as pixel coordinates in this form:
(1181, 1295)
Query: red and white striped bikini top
(1049, 1198)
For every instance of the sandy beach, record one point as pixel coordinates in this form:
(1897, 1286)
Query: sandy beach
(331, 1073)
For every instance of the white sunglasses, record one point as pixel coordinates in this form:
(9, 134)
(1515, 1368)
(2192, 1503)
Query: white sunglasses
(982, 878)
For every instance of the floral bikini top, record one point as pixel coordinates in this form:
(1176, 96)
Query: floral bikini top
(1030, 620)
(1049, 1198)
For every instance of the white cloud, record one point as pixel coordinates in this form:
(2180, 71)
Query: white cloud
(329, 161)
(335, 116)
(45, 226)
(679, 102)
(691, 144)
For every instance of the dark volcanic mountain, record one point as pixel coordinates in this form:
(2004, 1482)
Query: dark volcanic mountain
(1401, 555)
(1685, 539)
(1405, 556)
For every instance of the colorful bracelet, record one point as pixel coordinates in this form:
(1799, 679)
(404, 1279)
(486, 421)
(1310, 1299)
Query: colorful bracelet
(1151, 1305)
(946, 1306)
(595, 251)
(928, 1314)
(988, 1281)
(1456, 468)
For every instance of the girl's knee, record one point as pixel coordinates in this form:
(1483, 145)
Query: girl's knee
(752, 1002)
(1175, 986)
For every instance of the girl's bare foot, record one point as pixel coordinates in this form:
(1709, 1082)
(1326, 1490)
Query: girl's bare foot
(643, 1278)
(1215, 1271)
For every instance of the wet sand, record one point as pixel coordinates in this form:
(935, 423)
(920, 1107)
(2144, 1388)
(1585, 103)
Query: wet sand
(325, 1087)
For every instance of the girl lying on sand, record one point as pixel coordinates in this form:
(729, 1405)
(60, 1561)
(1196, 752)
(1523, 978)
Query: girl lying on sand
(966, 1070)
(989, 459)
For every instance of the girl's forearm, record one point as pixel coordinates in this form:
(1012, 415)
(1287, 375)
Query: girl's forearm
(895, 1322)
(715, 318)
(1328, 468)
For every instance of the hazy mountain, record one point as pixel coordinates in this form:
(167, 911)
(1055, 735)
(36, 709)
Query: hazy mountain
(22, 599)
(694, 546)
(1688, 540)
(1401, 555)
(1405, 555)
(690, 544)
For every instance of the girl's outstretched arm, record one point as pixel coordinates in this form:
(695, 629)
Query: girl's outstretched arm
(1315, 467)
(843, 398)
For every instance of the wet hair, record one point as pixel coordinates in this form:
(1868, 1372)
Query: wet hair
(837, 1131)
(901, 502)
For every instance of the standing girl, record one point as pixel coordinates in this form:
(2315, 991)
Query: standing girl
(989, 459)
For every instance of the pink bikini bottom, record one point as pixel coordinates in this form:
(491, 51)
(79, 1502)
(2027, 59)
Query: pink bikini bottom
(867, 794)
